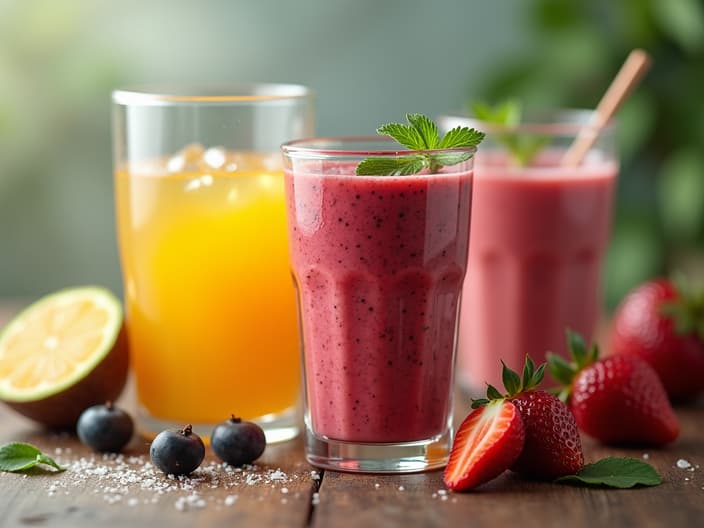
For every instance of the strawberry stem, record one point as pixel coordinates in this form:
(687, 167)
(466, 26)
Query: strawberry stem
(513, 383)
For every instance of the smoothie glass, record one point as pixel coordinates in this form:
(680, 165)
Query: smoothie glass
(378, 263)
(539, 233)
(201, 214)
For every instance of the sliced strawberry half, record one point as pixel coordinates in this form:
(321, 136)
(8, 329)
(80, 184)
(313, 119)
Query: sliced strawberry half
(487, 443)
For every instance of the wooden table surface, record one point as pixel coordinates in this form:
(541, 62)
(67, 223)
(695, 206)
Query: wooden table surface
(283, 490)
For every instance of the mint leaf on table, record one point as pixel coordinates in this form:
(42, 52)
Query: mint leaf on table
(18, 456)
(614, 472)
(421, 133)
(523, 146)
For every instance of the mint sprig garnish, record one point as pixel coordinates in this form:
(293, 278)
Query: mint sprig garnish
(522, 146)
(18, 456)
(614, 472)
(421, 134)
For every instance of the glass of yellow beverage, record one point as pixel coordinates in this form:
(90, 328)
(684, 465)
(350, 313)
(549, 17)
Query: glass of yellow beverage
(201, 219)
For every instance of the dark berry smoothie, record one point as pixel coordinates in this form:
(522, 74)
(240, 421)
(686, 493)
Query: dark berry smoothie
(378, 263)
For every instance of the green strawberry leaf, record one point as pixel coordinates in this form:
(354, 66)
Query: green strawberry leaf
(614, 472)
(512, 381)
(479, 402)
(528, 372)
(560, 368)
(577, 347)
(537, 377)
(492, 393)
(18, 456)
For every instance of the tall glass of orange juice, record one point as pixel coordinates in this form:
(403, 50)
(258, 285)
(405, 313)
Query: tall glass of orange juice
(211, 308)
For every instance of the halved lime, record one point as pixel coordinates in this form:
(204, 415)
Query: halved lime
(63, 354)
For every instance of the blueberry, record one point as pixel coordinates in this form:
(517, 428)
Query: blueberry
(177, 451)
(237, 442)
(105, 428)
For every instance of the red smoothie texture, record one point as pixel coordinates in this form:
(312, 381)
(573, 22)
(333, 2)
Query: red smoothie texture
(378, 263)
(538, 238)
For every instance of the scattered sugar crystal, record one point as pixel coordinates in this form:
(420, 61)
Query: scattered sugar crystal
(118, 479)
(377, 485)
(401, 488)
(278, 475)
(315, 499)
(646, 456)
(434, 495)
(442, 492)
(444, 497)
(683, 464)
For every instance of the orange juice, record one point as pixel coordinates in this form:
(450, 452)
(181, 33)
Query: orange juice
(209, 296)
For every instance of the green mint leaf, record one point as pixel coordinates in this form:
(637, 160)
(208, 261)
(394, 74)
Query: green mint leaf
(388, 166)
(426, 128)
(422, 134)
(449, 158)
(48, 461)
(18, 456)
(507, 113)
(405, 135)
(614, 472)
(523, 147)
(461, 137)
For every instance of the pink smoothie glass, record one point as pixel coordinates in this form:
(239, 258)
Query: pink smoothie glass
(539, 233)
(378, 263)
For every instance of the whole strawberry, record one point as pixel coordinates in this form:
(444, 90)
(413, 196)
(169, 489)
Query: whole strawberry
(552, 446)
(618, 399)
(663, 323)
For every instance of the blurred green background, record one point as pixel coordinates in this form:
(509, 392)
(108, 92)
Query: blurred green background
(369, 61)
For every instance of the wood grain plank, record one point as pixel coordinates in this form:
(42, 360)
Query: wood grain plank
(419, 500)
(262, 497)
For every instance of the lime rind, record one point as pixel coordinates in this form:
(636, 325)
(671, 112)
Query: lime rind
(99, 296)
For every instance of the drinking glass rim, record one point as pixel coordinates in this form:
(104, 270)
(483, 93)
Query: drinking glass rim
(296, 148)
(554, 122)
(166, 94)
